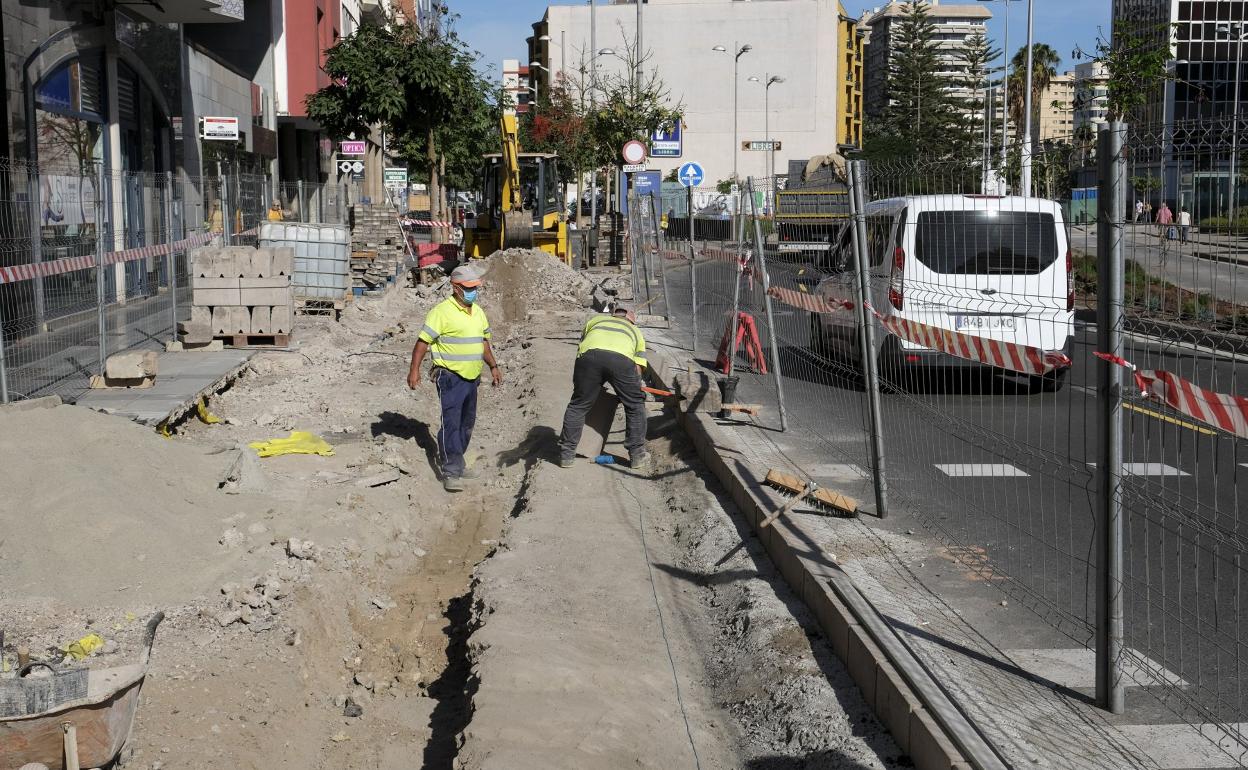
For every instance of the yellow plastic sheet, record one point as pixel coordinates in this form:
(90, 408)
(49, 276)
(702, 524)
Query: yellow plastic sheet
(84, 646)
(205, 416)
(297, 443)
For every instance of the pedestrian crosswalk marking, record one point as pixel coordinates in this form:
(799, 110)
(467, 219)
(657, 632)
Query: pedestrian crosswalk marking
(1076, 668)
(1003, 470)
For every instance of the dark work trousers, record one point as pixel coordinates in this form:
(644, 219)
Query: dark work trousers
(593, 368)
(459, 414)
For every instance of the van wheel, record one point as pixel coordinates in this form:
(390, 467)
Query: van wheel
(1048, 383)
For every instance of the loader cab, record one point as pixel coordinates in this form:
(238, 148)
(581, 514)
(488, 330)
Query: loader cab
(541, 187)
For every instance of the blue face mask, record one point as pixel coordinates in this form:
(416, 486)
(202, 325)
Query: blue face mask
(470, 295)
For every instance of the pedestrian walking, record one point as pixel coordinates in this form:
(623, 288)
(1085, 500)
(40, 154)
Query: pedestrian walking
(1139, 211)
(1184, 222)
(1148, 213)
(1165, 217)
(456, 336)
(612, 350)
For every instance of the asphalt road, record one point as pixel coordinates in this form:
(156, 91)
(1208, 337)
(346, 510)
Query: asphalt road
(1009, 476)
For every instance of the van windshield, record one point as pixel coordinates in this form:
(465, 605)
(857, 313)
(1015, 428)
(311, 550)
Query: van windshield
(986, 242)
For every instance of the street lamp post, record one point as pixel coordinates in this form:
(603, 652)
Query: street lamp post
(1027, 108)
(769, 80)
(736, 59)
(1225, 29)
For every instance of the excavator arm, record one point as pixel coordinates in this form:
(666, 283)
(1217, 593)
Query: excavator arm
(517, 230)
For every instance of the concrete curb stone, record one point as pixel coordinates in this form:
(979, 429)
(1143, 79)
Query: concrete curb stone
(894, 702)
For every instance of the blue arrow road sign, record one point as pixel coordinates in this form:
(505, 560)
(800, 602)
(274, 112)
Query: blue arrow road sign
(690, 174)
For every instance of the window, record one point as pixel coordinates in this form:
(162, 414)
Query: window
(986, 242)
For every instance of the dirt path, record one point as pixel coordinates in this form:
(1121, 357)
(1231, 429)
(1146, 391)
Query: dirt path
(332, 612)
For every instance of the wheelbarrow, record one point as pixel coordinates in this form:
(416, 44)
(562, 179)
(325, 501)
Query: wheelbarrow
(73, 718)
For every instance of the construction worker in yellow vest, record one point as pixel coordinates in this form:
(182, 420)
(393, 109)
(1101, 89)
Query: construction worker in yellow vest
(456, 336)
(612, 350)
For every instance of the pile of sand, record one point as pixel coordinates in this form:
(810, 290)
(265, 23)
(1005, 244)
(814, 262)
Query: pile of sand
(86, 496)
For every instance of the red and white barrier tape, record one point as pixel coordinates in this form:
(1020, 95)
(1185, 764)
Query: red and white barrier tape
(1221, 410)
(426, 223)
(724, 255)
(812, 302)
(1003, 355)
(18, 273)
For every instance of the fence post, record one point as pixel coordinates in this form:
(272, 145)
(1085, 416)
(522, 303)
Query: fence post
(303, 211)
(227, 214)
(4, 368)
(771, 318)
(35, 222)
(170, 238)
(658, 250)
(101, 321)
(1111, 214)
(737, 272)
(693, 274)
(866, 331)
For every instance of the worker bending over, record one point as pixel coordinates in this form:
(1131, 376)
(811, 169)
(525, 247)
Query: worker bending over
(611, 350)
(456, 336)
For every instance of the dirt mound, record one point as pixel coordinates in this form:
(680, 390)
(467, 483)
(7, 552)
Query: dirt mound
(103, 501)
(536, 280)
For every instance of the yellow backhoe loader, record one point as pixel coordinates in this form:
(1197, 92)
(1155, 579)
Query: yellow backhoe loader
(521, 201)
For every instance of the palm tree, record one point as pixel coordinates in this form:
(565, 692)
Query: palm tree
(1044, 61)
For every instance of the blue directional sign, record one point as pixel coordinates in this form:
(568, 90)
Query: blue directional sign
(666, 144)
(690, 174)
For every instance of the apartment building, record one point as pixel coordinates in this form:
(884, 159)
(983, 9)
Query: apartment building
(693, 45)
(1056, 109)
(954, 24)
(1091, 96)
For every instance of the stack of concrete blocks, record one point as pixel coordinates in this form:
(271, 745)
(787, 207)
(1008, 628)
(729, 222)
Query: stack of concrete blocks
(240, 290)
(375, 231)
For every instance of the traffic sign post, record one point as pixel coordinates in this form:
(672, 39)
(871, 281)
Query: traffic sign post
(633, 168)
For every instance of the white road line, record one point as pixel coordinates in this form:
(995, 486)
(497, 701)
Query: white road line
(1076, 668)
(1189, 746)
(1149, 469)
(981, 469)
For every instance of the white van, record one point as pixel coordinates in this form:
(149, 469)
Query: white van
(989, 266)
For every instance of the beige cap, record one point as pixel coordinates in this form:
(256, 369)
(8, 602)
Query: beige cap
(467, 274)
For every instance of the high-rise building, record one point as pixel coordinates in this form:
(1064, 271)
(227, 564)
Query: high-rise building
(1185, 130)
(1091, 96)
(954, 25)
(812, 108)
(1057, 109)
(519, 85)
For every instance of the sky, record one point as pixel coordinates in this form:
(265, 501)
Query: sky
(497, 28)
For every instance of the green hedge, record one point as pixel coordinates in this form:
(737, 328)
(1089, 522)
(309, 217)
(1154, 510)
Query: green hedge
(1221, 225)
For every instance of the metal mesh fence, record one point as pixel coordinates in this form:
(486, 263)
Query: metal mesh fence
(990, 319)
(94, 263)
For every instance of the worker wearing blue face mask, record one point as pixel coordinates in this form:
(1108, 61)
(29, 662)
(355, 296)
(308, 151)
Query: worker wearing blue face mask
(456, 336)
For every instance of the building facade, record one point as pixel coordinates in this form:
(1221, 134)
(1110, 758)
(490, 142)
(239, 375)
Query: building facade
(1187, 125)
(519, 86)
(801, 41)
(1057, 109)
(954, 24)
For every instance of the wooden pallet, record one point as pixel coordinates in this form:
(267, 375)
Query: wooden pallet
(322, 305)
(254, 340)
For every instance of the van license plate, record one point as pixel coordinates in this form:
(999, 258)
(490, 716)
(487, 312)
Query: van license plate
(982, 322)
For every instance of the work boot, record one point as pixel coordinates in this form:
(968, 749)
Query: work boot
(640, 462)
(453, 484)
(567, 461)
(471, 474)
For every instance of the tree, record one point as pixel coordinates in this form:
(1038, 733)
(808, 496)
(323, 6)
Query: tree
(921, 112)
(1135, 62)
(977, 55)
(1145, 186)
(561, 124)
(414, 82)
(634, 102)
(1044, 61)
